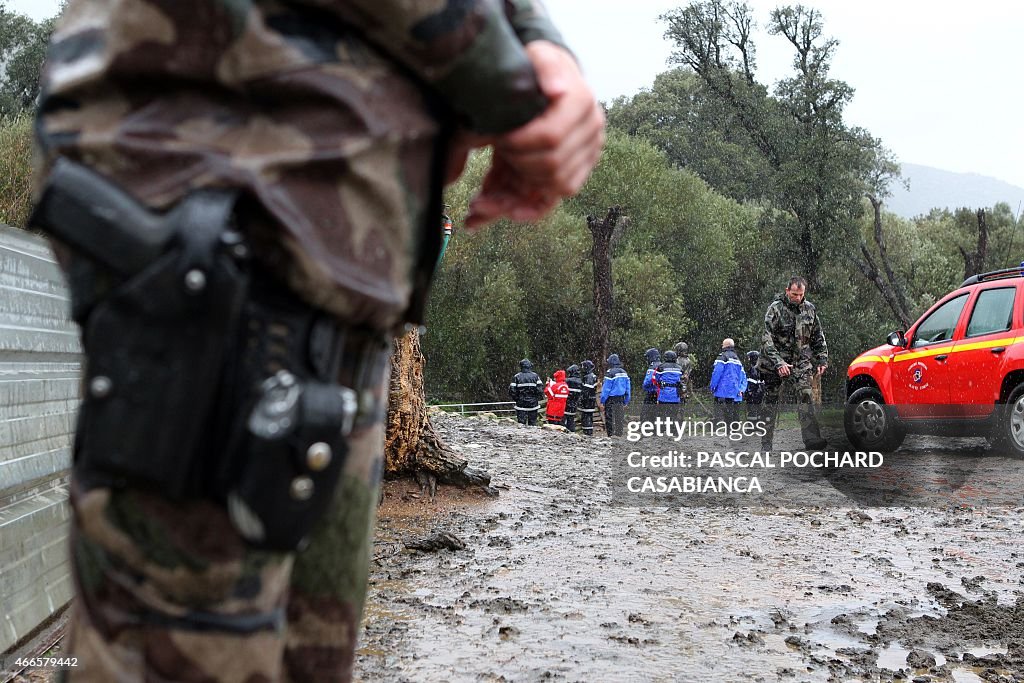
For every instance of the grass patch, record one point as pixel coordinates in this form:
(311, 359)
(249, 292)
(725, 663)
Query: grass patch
(15, 170)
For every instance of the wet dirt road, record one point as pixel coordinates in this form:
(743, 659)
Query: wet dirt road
(557, 582)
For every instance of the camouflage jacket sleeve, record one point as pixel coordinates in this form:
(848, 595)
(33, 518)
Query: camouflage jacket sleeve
(771, 329)
(818, 346)
(530, 21)
(469, 51)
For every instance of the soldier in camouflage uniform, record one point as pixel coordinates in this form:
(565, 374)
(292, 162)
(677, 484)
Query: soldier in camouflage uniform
(793, 351)
(337, 123)
(682, 350)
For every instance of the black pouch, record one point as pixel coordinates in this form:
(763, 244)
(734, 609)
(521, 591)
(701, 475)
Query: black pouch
(155, 346)
(295, 448)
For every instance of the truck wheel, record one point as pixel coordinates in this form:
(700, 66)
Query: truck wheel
(870, 424)
(1008, 435)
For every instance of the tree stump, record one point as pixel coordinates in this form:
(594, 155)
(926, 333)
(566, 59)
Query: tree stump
(413, 446)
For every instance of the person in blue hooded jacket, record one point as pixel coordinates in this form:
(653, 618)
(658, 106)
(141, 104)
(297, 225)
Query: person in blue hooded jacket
(615, 396)
(728, 382)
(669, 380)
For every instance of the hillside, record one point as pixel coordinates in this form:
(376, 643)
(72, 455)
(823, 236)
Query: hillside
(934, 188)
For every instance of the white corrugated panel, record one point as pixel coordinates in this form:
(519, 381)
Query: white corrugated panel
(40, 363)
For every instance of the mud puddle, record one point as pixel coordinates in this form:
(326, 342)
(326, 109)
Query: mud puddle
(554, 583)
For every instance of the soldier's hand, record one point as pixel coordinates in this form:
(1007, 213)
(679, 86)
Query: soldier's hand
(558, 149)
(785, 370)
(549, 158)
(821, 370)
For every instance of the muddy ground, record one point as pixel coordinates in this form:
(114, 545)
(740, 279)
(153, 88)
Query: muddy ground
(559, 580)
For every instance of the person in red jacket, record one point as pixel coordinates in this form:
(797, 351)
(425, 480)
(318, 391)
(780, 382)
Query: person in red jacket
(557, 392)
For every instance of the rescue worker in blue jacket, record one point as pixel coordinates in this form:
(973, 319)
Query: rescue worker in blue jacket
(615, 393)
(728, 382)
(588, 398)
(526, 390)
(653, 358)
(575, 382)
(754, 395)
(668, 379)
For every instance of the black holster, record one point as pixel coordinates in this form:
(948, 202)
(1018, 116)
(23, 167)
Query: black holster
(204, 377)
(155, 345)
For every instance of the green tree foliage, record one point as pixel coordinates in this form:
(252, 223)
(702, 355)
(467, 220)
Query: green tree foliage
(22, 51)
(679, 116)
(513, 290)
(791, 147)
(812, 181)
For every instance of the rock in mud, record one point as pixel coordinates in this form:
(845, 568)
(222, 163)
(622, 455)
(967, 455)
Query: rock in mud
(920, 659)
(442, 540)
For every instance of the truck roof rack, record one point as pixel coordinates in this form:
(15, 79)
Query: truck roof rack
(1016, 271)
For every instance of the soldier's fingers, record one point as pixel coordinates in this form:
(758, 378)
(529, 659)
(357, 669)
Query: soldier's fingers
(507, 192)
(553, 66)
(571, 101)
(561, 128)
(562, 170)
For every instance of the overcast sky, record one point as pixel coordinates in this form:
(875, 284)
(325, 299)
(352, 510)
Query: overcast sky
(939, 82)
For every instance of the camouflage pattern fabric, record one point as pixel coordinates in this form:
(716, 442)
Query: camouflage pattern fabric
(802, 394)
(165, 591)
(793, 335)
(332, 116)
(333, 119)
(328, 586)
(171, 592)
(686, 367)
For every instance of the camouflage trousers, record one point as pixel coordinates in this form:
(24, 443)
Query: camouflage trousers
(170, 591)
(800, 383)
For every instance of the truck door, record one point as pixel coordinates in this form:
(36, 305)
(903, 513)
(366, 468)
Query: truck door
(920, 372)
(975, 364)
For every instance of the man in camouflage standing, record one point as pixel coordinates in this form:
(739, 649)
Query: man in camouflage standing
(270, 180)
(793, 351)
(682, 350)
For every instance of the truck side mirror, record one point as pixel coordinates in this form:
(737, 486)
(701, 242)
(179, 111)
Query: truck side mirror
(897, 339)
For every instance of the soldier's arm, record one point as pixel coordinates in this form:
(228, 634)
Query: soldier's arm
(768, 339)
(818, 345)
(471, 52)
(505, 73)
